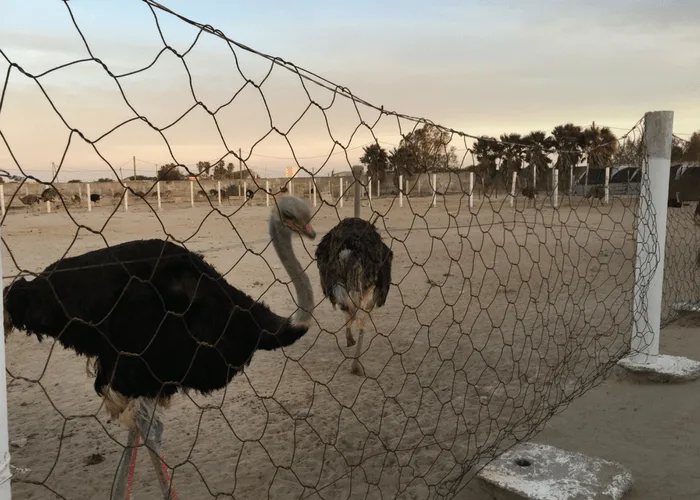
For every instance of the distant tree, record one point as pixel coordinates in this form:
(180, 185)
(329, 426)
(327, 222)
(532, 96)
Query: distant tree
(203, 167)
(220, 170)
(630, 152)
(677, 149)
(430, 150)
(537, 146)
(402, 161)
(74, 181)
(170, 172)
(376, 160)
(599, 146)
(489, 153)
(105, 179)
(691, 151)
(567, 141)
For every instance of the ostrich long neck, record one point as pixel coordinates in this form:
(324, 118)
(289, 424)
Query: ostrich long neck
(282, 241)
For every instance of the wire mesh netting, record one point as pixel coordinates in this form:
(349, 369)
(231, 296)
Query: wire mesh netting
(506, 296)
(682, 261)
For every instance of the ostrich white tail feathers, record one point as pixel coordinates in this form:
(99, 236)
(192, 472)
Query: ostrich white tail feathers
(341, 296)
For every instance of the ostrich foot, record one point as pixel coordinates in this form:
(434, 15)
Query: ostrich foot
(348, 337)
(357, 368)
(153, 430)
(121, 489)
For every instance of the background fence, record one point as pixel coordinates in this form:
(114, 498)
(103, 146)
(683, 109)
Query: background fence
(503, 307)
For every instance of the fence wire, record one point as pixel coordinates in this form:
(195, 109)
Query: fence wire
(682, 263)
(505, 303)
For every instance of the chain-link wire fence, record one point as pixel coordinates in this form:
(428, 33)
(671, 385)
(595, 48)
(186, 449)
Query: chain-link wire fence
(495, 302)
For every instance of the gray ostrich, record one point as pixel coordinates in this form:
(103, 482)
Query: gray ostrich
(154, 319)
(30, 199)
(354, 266)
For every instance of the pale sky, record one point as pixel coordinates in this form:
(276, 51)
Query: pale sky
(481, 67)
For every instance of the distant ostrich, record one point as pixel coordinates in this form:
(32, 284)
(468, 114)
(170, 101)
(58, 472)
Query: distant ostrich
(48, 194)
(154, 318)
(529, 193)
(354, 266)
(94, 197)
(596, 192)
(249, 194)
(30, 199)
(75, 198)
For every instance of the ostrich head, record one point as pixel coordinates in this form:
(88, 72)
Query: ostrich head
(293, 215)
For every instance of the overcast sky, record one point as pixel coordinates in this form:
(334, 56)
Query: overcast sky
(481, 67)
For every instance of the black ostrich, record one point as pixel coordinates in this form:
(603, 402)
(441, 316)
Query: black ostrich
(596, 193)
(154, 318)
(530, 194)
(354, 266)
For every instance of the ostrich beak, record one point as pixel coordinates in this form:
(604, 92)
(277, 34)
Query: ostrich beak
(309, 232)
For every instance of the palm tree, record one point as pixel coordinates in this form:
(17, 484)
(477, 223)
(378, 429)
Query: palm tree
(376, 159)
(599, 145)
(538, 145)
(488, 152)
(402, 161)
(567, 141)
(513, 155)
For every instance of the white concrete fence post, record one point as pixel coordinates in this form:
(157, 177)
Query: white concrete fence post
(5, 473)
(646, 328)
(401, 191)
(555, 192)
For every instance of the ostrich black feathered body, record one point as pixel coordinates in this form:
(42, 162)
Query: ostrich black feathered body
(352, 261)
(156, 317)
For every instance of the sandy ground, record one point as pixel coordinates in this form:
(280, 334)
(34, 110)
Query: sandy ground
(496, 318)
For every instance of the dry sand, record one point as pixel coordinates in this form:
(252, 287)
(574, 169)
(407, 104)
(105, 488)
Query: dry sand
(496, 318)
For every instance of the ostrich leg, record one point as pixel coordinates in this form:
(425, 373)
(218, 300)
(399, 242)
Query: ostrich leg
(356, 366)
(153, 430)
(348, 329)
(121, 489)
